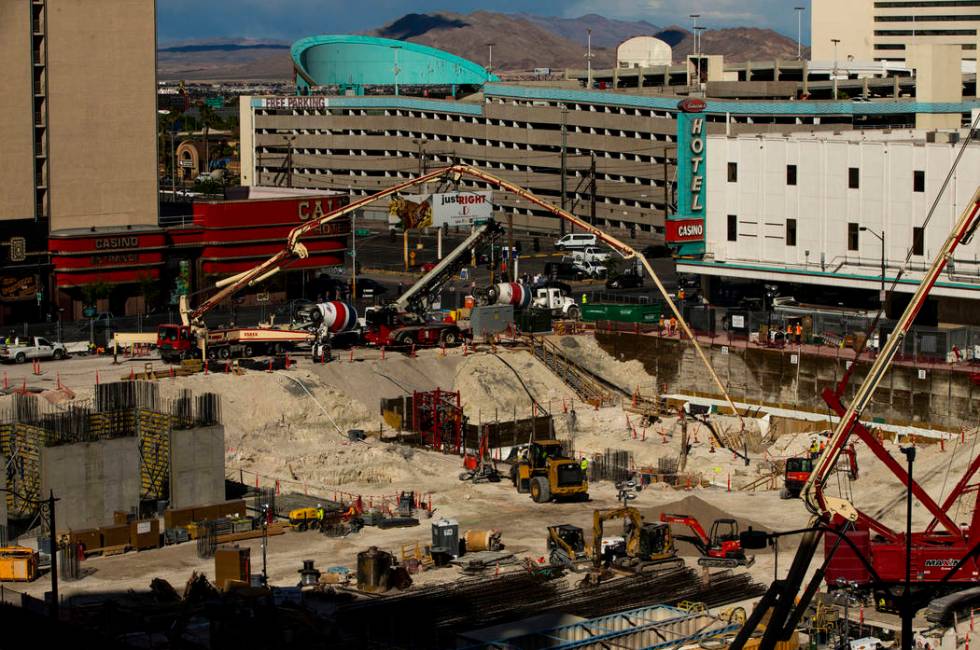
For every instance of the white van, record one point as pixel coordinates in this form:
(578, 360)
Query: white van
(575, 241)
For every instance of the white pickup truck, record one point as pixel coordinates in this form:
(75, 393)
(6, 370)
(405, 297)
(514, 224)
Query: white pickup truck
(591, 254)
(36, 348)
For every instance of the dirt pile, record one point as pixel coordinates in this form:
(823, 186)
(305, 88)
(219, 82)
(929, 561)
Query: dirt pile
(698, 508)
(626, 375)
(503, 386)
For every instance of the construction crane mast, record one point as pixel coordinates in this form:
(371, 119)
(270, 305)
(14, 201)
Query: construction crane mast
(938, 558)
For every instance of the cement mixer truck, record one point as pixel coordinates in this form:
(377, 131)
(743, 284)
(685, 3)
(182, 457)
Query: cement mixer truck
(177, 342)
(551, 296)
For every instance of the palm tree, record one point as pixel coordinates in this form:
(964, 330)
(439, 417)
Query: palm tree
(208, 118)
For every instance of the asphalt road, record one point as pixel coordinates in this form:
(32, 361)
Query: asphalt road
(382, 259)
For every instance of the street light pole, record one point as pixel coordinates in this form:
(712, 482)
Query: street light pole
(881, 238)
(908, 610)
(799, 32)
(835, 41)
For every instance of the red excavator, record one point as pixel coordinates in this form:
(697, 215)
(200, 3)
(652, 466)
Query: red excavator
(722, 549)
(798, 469)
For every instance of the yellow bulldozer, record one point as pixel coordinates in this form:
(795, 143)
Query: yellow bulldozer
(543, 469)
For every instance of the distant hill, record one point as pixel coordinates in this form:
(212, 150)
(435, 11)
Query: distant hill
(606, 32)
(518, 43)
(224, 59)
(521, 42)
(737, 44)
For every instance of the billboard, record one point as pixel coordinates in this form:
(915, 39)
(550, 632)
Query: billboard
(449, 208)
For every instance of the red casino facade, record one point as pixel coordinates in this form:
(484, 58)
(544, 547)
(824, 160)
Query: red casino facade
(127, 270)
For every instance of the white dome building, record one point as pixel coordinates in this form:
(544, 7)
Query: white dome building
(643, 52)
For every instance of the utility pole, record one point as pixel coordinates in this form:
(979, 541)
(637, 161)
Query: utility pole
(835, 41)
(490, 64)
(908, 609)
(592, 189)
(564, 164)
(588, 58)
(53, 540)
(510, 247)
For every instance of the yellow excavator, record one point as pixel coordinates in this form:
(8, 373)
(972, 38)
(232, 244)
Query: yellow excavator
(646, 546)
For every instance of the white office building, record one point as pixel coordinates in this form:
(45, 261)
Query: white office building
(876, 30)
(813, 208)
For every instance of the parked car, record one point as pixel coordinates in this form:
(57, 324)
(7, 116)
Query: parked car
(563, 271)
(591, 254)
(590, 269)
(36, 348)
(575, 241)
(625, 281)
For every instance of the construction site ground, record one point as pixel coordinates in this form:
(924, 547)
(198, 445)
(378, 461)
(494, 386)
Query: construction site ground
(291, 427)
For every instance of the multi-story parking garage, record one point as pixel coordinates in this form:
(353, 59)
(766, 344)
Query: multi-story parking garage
(518, 132)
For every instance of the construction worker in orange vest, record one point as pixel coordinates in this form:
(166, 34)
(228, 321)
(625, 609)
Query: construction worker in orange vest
(681, 294)
(789, 332)
(799, 333)
(673, 326)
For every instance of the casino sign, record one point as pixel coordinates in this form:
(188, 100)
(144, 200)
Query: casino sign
(685, 228)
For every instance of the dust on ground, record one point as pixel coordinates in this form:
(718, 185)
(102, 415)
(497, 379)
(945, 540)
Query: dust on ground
(292, 425)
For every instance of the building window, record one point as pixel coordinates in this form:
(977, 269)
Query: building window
(918, 240)
(732, 172)
(918, 181)
(853, 178)
(852, 236)
(791, 174)
(791, 232)
(732, 228)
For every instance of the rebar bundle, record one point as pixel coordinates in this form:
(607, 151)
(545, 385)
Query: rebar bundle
(433, 616)
(612, 465)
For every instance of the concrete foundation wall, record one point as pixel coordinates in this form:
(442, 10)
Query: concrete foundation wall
(92, 480)
(943, 398)
(197, 466)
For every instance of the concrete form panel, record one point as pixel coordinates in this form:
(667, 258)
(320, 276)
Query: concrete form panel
(197, 466)
(92, 480)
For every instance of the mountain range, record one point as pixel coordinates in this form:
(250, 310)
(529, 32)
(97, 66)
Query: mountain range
(520, 42)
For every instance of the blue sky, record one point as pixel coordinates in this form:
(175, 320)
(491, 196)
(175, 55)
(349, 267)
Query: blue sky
(292, 19)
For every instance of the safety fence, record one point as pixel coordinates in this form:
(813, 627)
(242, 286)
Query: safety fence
(274, 489)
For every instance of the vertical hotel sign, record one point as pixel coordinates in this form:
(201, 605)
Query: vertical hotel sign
(685, 229)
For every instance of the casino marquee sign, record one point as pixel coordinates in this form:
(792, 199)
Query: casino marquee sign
(685, 229)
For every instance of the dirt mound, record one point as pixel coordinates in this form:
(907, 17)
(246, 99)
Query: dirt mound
(627, 375)
(502, 386)
(704, 512)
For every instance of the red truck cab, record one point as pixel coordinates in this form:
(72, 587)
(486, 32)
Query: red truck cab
(175, 342)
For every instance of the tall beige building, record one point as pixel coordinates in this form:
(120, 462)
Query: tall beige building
(873, 30)
(78, 143)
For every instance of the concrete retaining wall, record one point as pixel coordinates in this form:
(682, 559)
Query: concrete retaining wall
(943, 398)
(197, 466)
(92, 480)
